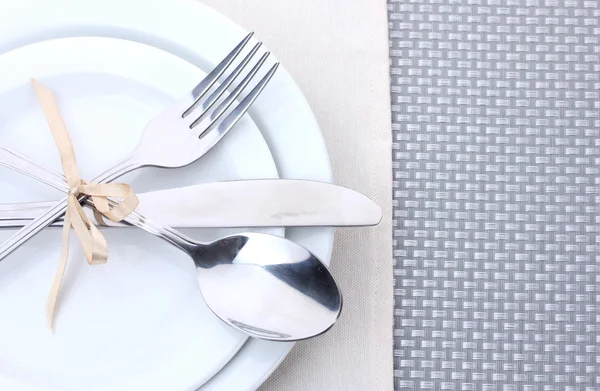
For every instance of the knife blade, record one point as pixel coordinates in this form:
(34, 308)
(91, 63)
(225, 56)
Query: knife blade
(244, 203)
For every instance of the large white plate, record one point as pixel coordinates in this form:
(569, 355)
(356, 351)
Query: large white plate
(200, 35)
(138, 322)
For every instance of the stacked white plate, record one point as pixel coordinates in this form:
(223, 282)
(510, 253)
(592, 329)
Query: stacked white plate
(138, 322)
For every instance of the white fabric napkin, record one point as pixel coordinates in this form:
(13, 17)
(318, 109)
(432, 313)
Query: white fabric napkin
(337, 51)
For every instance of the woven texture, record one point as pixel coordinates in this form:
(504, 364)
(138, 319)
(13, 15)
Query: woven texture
(496, 154)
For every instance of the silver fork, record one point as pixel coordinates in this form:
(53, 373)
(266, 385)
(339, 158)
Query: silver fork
(181, 134)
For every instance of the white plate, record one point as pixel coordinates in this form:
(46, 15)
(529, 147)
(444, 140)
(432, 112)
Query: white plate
(200, 35)
(139, 321)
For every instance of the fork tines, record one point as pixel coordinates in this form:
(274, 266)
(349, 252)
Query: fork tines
(206, 95)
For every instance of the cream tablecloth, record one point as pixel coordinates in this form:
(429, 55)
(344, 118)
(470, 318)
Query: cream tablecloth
(337, 51)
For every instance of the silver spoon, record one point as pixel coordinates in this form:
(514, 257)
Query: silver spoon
(263, 285)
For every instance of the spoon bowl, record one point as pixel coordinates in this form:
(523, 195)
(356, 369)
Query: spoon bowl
(267, 286)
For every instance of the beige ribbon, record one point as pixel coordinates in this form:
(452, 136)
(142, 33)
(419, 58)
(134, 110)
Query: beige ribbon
(92, 241)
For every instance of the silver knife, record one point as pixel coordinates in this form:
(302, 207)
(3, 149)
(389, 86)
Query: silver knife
(244, 203)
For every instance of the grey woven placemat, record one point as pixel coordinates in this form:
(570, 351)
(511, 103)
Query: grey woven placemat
(496, 161)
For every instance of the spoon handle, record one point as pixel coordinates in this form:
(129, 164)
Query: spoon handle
(27, 166)
(176, 238)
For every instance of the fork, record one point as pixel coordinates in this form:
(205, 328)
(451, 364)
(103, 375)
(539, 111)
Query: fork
(263, 285)
(181, 134)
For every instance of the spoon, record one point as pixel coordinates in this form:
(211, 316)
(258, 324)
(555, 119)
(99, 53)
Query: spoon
(263, 285)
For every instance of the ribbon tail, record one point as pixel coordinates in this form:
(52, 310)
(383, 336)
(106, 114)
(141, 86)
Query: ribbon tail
(52, 300)
(91, 239)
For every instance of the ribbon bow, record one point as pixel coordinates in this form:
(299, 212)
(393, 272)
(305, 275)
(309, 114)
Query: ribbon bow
(92, 241)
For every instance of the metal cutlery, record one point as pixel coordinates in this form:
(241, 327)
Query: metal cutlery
(244, 203)
(181, 134)
(263, 285)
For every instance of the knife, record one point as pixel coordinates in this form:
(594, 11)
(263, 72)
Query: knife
(243, 203)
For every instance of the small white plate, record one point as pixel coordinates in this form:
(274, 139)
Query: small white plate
(138, 322)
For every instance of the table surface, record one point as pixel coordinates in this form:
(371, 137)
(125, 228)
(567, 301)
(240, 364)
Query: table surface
(345, 78)
(496, 148)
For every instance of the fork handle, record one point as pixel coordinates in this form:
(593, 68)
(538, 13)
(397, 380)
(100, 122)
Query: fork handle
(59, 209)
(28, 167)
